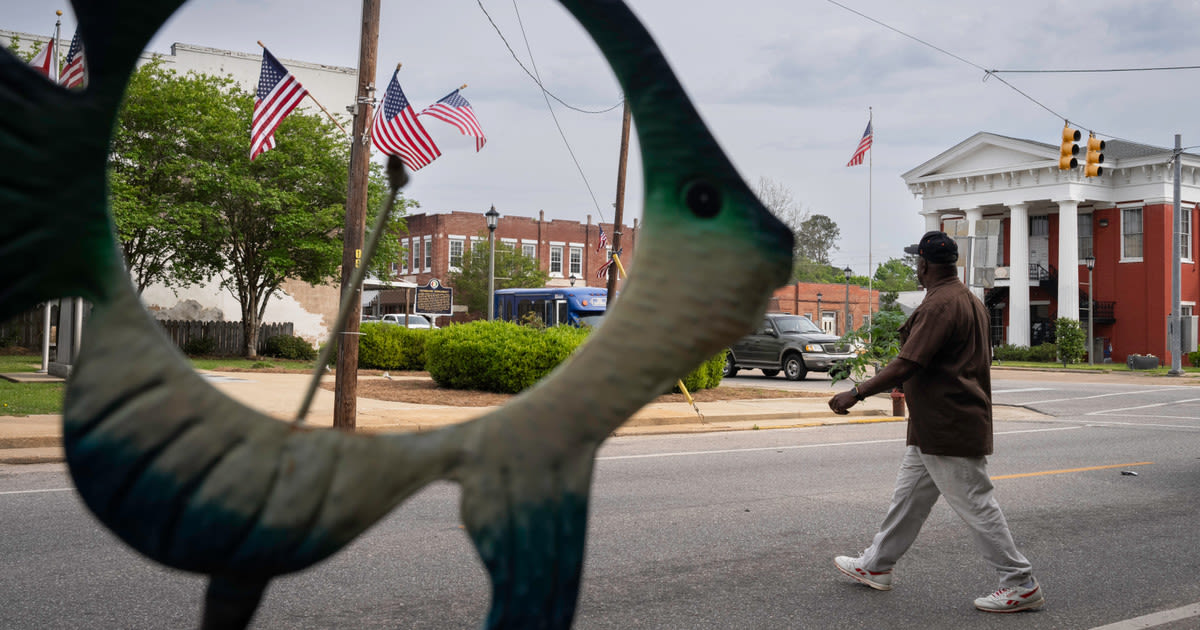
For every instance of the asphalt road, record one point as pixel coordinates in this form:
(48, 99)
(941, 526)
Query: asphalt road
(729, 530)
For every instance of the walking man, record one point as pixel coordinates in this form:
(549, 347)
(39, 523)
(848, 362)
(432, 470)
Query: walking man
(944, 367)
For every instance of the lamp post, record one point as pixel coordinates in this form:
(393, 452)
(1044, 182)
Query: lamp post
(818, 308)
(572, 279)
(1091, 264)
(493, 218)
(846, 322)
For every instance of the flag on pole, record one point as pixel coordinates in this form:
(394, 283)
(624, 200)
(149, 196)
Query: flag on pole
(44, 60)
(277, 95)
(603, 242)
(863, 146)
(455, 109)
(603, 271)
(397, 131)
(74, 71)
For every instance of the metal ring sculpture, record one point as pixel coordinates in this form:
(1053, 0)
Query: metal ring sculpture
(200, 483)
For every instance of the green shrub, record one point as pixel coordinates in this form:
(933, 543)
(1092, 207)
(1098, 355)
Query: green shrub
(262, 365)
(707, 375)
(392, 347)
(497, 356)
(1072, 340)
(1194, 358)
(1044, 353)
(1009, 352)
(200, 346)
(288, 347)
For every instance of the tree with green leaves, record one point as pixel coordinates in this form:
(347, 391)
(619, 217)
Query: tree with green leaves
(189, 203)
(514, 270)
(817, 238)
(892, 277)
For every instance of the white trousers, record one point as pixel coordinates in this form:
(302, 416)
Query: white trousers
(968, 489)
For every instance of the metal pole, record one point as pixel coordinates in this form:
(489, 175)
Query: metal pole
(491, 274)
(345, 392)
(1091, 305)
(1174, 338)
(846, 318)
(46, 337)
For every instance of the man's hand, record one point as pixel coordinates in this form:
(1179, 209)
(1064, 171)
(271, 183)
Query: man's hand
(841, 403)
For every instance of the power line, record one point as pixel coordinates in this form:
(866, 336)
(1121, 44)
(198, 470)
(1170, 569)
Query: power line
(531, 74)
(545, 94)
(1095, 70)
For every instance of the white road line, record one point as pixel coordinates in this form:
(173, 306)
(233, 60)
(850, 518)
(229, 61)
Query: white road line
(1018, 391)
(1154, 619)
(37, 491)
(1144, 391)
(1173, 402)
(800, 446)
(1101, 423)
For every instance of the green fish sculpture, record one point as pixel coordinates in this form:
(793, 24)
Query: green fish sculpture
(198, 482)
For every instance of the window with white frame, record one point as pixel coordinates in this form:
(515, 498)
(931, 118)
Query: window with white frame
(428, 253)
(576, 262)
(404, 256)
(1185, 232)
(1131, 233)
(529, 249)
(395, 269)
(556, 260)
(416, 255)
(456, 253)
(1085, 236)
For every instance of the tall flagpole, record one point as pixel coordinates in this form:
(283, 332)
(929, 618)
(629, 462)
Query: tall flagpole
(870, 243)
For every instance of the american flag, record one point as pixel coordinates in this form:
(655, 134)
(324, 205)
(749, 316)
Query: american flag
(455, 109)
(398, 132)
(603, 241)
(278, 94)
(602, 273)
(863, 146)
(44, 60)
(74, 69)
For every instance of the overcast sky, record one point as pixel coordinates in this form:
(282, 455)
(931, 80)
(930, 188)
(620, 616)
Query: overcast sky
(785, 85)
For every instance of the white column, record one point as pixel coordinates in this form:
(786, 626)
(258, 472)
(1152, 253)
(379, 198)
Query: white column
(933, 221)
(973, 216)
(1018, 273)
(1068, 259)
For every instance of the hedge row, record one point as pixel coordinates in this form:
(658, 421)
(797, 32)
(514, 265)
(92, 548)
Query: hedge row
(1042, 353)
(488, 356)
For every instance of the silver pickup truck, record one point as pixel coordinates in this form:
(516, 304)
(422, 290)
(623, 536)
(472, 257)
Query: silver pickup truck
(786, 343)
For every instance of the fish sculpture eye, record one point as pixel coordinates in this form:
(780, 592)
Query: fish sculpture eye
(702, 198)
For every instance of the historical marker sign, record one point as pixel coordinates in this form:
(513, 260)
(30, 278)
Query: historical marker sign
(434, 299)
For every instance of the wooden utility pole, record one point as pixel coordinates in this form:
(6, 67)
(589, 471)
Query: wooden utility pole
(345, 405)
(620, 204)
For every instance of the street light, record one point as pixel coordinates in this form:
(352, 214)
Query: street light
(818, 308)
(846, 323)
(1090, 261)
(572, 279)
(493, 218)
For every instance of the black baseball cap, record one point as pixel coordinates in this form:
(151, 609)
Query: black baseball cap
(935, 247)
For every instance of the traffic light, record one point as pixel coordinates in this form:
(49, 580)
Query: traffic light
(1066, 157)
(1094, 157)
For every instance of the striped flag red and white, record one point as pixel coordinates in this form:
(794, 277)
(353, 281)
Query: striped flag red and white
(74, 72)
(603, 242)
(43, 62)
(396, 130)
(278, 94)
(455, 109)
(863, 146)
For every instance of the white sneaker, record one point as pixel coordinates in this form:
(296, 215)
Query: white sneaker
(1012, 599)
(878, 580)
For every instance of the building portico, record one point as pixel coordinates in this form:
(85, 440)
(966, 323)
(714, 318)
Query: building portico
(1050, 221)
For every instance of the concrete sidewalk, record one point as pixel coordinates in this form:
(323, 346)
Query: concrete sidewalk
(38, 439)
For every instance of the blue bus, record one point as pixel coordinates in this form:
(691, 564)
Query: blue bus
(576, 306)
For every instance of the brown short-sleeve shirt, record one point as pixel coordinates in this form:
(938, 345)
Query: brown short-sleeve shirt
(950, 397)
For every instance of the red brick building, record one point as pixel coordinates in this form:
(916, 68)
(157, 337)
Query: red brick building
(436, 242)
(826, 304)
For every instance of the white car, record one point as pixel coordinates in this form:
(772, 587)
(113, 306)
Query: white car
(414, 321)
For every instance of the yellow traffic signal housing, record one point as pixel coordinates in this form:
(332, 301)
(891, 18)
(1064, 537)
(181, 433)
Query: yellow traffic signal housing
(1066, 157)
(1094, 157)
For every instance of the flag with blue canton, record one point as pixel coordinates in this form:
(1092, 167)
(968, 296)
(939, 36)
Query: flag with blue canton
(455, 109)
(397, 131)
(277, 95)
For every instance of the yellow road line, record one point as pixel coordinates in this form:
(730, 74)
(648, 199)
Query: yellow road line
(1069, 470)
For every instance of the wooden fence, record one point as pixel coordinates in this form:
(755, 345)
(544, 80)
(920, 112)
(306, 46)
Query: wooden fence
(227, 337)
(25, 330)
